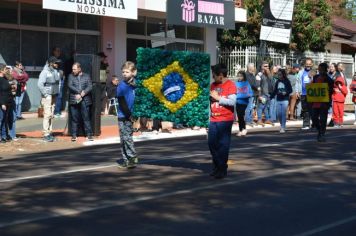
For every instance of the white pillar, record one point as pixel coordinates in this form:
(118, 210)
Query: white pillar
(120, 44)
(211, 43)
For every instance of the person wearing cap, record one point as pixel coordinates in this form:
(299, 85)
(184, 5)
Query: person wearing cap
(294, 96)
(48, 84)
(222, 103)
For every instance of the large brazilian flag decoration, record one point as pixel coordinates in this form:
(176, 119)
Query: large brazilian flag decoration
(173, 86)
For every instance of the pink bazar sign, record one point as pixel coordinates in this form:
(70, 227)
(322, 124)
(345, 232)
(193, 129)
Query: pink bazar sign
(214, 13)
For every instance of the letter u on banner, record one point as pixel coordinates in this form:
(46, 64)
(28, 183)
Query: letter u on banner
(318, 92)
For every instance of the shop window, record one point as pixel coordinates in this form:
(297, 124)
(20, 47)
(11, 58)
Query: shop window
(195, 47)
(8, 12)
(87, 44)
(155, 25)
(195, 33)
(62, 19)
(10, 41)
(64, 41)
(176, 31)
(33, 14)
(132, 45)
(136, 26)
(176, 46)
(34, 48)
(88, 22)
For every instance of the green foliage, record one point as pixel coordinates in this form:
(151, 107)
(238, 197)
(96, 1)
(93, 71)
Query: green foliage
(311, 28)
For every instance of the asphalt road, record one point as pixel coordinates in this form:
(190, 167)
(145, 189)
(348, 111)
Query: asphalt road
(278, 184)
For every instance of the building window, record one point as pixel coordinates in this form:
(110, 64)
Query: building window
(8, 12)
(136, 26)
(88, 22)
(132, 45)
(9, 53)
(62, 19)
(34, 48)
(32, 14)
(87, 44)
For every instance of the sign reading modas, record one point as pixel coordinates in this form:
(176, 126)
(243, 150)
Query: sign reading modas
(115, 8)
(277, 21)
(318, 92)
(208, 13)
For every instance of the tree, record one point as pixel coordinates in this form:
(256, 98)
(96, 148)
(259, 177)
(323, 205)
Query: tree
(311, 28)
(341, 8)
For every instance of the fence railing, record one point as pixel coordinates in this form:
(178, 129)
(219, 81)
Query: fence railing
(238, 58)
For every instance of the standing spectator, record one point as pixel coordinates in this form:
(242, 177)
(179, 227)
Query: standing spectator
(353, 91)
(5, 101)
(126, 98)
(282, 90)
(243, 95)
(338, 100)
(251, 78)
(20, 75)
(341, 69)
(48, 84)
(294, 96)
(273, 101)
(80, 87)
(56, 52)
(304, 80)
(11, 109)
(332, 73)
(222, 102)
(320, 109)
(104, 71)
(266, 89)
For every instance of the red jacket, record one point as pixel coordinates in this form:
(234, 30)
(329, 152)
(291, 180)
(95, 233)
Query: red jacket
(339, 94)
(21, 77)
(353, 90)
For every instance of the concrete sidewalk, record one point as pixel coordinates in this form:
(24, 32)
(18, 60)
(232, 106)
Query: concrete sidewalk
(31, 127)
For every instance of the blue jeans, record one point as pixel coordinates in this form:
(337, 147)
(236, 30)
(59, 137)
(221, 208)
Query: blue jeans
(249, 110)
(18, 102)
(263, 108)
(80, 112)
(2, 123)
(219, 137)
(11, 121)
(282, 112)
(58, 107)
(273, 110)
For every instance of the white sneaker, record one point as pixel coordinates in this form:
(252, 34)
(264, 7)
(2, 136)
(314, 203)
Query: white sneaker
(154, 132)
(305, 128)
(355, 123)
(244, 132)
(239, 134)
(282, 131)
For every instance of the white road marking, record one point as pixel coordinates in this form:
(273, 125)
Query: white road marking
(328, 226)
(96, 167)
(72, 212)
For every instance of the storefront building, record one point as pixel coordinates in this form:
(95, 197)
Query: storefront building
(28, 32)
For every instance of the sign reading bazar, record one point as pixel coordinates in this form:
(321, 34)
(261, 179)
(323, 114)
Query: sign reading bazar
(115, 8)
(207, 13)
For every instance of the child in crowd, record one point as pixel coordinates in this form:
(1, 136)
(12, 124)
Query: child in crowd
(244, 92)
(353, 91)
(338, 99)
(126, 98)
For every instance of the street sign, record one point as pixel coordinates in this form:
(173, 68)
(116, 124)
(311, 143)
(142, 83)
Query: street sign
(277, 21)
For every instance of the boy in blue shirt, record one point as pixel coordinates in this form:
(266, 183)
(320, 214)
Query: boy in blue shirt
(126, 96)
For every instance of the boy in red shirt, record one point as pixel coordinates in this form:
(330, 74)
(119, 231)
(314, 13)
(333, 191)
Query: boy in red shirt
(353, 91)
(338, 97)
(222, 102)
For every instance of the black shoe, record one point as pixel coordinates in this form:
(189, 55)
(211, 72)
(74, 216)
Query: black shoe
(3, 140)
(220, 174)
(214, 172)
(90, 138)
(331, 123)
(74, 138)
(20, 118)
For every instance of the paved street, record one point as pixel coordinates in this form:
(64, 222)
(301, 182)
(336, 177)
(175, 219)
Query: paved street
(277, 185)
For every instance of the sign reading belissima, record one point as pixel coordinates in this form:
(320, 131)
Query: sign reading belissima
(115, 8)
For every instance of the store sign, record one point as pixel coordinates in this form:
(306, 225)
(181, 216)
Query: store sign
(209, 13)
(115, 8)
(277, 21)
